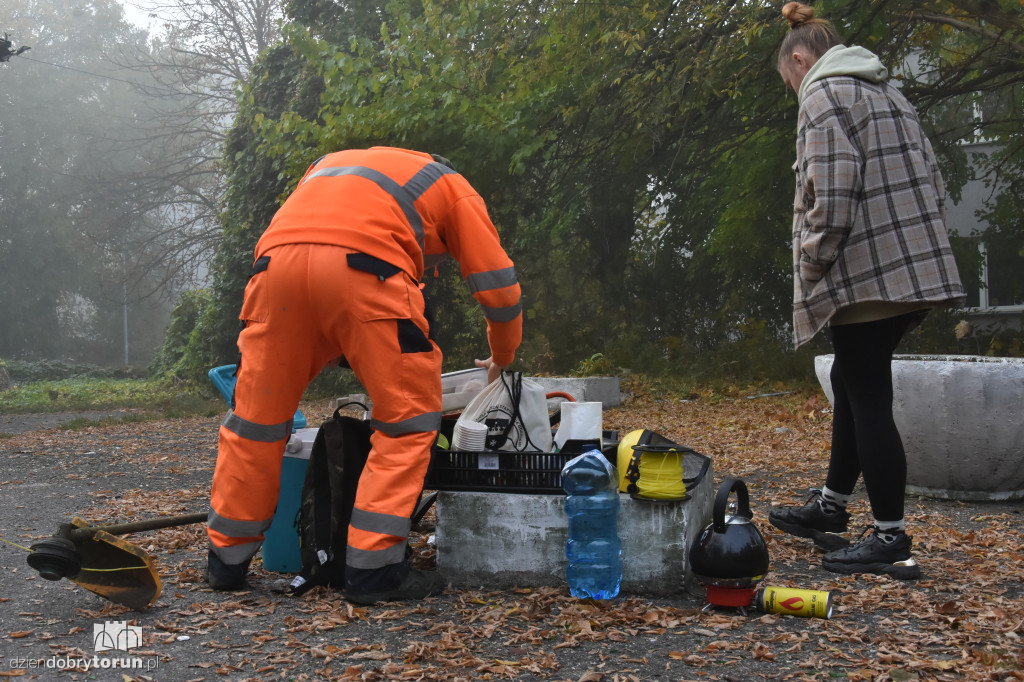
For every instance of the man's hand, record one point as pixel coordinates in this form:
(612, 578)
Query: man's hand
(493, 370)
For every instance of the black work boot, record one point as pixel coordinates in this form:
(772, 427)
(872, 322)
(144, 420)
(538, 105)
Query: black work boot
(391, 583)
(225, 577)
(874, 555)
(812, 521)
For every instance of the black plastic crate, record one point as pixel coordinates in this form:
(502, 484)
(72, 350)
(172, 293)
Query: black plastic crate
(537, 473)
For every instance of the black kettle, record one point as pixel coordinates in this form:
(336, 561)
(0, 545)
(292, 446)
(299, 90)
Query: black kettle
(730, 552)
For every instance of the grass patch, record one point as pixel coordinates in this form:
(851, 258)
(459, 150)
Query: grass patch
(161, 397)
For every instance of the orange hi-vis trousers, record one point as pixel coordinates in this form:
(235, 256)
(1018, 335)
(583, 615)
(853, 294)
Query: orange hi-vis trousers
(305, 306)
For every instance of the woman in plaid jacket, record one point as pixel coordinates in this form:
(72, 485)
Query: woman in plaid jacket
(871, 257)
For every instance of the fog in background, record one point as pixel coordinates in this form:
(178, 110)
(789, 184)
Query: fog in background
(112, 129)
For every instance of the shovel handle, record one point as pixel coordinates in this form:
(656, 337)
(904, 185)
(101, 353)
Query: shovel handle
(138, 526)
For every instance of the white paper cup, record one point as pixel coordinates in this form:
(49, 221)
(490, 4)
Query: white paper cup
(469, 436)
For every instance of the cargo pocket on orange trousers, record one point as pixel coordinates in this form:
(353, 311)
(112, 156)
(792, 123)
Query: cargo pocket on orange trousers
(395, 297)
(256, 303)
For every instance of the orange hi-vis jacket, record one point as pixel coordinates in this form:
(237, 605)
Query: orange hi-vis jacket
(314, 296)
(410, 211)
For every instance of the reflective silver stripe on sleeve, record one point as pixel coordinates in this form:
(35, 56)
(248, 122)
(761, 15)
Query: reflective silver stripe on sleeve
(236, 554)
(493, 279)
(375, 522)
(504, 314)
(425, 178)
(261, 433)
(237, 529)
(379, 558)
(422, 423)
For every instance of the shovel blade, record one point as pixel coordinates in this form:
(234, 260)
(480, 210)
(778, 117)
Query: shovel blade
(116, 570)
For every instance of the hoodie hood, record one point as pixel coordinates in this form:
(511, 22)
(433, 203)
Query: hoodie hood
(845, 61)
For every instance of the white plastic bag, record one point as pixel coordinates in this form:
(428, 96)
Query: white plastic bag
(515, 411)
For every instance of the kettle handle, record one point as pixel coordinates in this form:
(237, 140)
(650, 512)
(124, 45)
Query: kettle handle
(722, 498)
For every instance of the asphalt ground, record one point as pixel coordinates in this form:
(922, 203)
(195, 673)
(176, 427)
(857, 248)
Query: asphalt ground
(962, 620)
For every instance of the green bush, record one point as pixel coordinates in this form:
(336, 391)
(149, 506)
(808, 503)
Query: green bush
(176, 339)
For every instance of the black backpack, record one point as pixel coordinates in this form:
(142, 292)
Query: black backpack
(336, 460)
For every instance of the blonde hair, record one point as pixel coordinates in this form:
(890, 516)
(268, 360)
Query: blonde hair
(816, 35)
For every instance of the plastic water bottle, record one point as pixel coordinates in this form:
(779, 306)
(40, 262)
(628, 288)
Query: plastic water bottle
(592, 505)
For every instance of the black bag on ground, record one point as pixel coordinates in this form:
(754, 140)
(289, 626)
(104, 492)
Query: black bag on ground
(336, 461)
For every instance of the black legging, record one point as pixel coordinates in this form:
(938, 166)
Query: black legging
(864, 436)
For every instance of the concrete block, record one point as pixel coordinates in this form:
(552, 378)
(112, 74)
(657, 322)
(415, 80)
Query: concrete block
(585, 389)
(354, 398)
(960, 420)
(500, 540)
(604, 390)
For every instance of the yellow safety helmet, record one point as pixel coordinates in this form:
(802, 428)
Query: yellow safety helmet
(625, 453)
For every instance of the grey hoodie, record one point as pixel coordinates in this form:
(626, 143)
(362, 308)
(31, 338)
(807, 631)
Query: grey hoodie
(845, 61)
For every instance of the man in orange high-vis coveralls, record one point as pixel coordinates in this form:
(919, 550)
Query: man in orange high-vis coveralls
(336, 274)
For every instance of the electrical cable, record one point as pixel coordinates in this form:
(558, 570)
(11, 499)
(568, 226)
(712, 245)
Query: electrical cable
(91, 570)
(661, 478)
(14, 544)
(515, 392)
(153, 88)
(88, 73)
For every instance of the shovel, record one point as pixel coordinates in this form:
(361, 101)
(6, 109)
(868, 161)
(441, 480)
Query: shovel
(95, 558)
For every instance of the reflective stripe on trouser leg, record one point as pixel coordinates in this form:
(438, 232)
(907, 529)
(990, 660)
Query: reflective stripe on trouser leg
(246, 483)
(276, 366)
(378, 539)
(354, 313)
(406, 392)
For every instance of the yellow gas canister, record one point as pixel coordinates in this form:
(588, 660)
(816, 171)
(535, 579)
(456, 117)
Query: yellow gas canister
(794, 602)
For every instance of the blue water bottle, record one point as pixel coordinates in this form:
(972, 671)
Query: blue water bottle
(592, 505)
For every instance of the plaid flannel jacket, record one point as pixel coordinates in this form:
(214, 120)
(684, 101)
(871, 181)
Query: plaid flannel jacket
(868, 216)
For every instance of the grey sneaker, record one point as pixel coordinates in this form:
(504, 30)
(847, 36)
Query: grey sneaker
(416, 585)
(811, 521)
(874, 555)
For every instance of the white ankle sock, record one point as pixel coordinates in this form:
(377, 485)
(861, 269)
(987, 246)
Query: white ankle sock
(888, 531)
(832, 502)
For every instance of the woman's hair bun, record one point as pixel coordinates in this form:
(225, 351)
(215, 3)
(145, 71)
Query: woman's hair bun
(797, 13)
